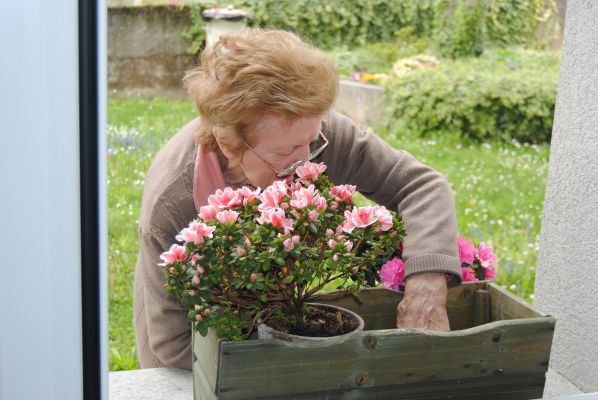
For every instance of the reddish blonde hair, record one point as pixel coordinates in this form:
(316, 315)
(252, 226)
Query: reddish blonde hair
(258, 73)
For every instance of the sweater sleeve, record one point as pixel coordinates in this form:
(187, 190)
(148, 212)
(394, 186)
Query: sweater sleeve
(168, 340)
(395, 179)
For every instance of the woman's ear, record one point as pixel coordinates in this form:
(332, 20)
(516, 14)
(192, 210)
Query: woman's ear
(218, 133)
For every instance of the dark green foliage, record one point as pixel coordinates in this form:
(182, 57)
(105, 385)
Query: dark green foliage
(505, 94)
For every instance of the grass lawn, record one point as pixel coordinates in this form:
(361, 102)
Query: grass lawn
(499, 191)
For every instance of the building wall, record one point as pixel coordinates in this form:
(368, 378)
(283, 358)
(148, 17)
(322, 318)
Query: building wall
(567, 275)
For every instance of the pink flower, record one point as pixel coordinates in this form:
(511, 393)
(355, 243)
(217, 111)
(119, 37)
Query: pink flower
(227, 216)
(331, 243)
(195, 233)
(384, 217)
(310, 170)
(358, 218)
(468, 275)
(339, 229)
(174, 254)
(466, 250)
(288, 244)
(343, 192)
(248, 194)
(273, 195)
(333, 205)
(485, 255)
(208, 213)
(309, 196)
(312, 215)
(296, 239)
(329, 232)
(348, 245)
(490, 273)
(392, 274)
(241, 251)
(276, 218)
(226, 198)
(196, 280)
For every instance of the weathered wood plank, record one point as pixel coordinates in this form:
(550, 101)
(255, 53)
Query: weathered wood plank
(481, 307)
(379, 307)
(495, 387)
(504, 305)
(258, 368)
(205, 356)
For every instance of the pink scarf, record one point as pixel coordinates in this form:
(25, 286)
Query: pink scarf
(207, 177)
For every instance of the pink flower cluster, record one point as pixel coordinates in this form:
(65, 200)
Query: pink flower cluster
(174, 254)
(366, 216)
(310, 171)
(474, 258)
(392, 274)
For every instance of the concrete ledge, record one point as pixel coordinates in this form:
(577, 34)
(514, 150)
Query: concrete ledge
(151, 384)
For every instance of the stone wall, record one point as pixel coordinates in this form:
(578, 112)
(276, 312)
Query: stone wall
(146, 52)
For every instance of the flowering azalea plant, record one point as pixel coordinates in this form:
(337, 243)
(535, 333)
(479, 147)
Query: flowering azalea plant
(477, 263)
(266, 253)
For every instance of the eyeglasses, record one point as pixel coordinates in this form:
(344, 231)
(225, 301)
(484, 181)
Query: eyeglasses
(291, 168)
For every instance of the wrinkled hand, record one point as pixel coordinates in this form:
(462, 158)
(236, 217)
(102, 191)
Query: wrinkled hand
(424, 303)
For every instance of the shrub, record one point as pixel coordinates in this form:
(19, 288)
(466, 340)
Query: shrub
(506, 94)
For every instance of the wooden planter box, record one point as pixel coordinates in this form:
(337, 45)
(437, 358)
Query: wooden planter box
(499, 348)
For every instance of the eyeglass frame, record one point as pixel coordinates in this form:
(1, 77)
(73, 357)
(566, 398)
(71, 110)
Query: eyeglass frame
(291, 168)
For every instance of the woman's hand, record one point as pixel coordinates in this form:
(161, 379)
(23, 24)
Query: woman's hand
(424, 303)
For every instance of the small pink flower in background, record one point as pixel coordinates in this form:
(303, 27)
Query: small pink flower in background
(195, 233)
(312, 215)
(226, 198)
(384, 217)
(333, 205)
(335, 257)
(329, 232)
(490, 273)
(343, 192)
(200, 270)
(310, 170)
(276, 218)
(340, 238)
(195, 258)
(241, 251)
(359, 218)
(296, 239)
(295, 185)
(288, 244)
(349, 245)
(208, 213)
(174, 254)
(485, 255)
(273, 195)
(339, 229)
(331, 243)
(466, 250)
(227, 216)
(196, 280)
(392, 274)
(249, 194)
(468, 275)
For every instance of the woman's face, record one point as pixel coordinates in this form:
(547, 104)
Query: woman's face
(280, 143)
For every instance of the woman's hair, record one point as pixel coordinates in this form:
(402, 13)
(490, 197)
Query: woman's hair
(258, 73)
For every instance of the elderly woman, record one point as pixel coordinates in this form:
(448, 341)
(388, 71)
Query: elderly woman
(264, 100)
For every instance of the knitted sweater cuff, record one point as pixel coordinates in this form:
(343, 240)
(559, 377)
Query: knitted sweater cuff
(435, 263)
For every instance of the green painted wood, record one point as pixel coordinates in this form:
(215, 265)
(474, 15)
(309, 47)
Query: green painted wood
(379, 305)
(503, 387)
(503, 359)
(381, 358)
(205, 357)
(481, 307)
(505, 305)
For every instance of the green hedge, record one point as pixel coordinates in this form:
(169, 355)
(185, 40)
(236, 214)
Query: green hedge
(455, 25)
(506, 94)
